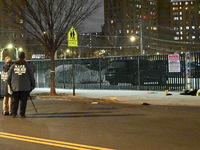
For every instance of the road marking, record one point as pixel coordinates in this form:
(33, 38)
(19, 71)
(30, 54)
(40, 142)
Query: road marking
(50, 142)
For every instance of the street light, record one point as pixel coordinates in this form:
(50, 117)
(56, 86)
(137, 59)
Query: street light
(10, 46)
(132, 38)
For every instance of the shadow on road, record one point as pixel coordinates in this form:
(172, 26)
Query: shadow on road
(79, 114)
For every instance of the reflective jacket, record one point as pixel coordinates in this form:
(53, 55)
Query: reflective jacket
(4, 78)
(21, 77)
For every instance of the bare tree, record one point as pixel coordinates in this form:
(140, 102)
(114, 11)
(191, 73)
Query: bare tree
(48, 21)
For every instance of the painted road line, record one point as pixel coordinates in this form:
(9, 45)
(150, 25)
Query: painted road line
(50, 142)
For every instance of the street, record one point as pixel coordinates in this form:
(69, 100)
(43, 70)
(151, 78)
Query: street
(62, 124)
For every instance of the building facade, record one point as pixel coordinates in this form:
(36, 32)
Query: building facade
(126, 18)
(160, 26)
(12, 40)
(185, 21)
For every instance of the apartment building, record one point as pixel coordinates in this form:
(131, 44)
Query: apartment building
(159, 25)
(185, 21)
(126, 18)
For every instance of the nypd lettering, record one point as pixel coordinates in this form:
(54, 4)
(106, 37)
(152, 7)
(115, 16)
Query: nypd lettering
(20, 69)
(4, 76)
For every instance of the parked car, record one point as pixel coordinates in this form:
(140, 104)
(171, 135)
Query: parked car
(135, 72)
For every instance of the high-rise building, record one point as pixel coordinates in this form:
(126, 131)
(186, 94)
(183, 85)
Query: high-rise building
(159, 25)
(126, 18)
(185, 21)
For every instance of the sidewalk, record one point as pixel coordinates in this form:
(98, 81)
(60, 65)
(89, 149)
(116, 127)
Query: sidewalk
(130, 96)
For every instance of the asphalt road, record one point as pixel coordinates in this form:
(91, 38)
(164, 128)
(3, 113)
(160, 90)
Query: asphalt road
(71, 125)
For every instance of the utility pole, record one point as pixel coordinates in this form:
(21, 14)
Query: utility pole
(141, 38)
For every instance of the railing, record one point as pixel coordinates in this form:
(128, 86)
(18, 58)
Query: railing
(130, 72)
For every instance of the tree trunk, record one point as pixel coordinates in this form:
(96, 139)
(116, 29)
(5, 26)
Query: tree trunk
(52, 82)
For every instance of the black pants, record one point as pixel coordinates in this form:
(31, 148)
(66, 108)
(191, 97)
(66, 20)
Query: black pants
(22, 97)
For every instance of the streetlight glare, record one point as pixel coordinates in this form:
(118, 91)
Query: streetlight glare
(132, 38)
(20, 49)
(10, 46)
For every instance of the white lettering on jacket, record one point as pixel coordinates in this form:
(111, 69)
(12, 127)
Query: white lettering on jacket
(20, 69)
(4, 76)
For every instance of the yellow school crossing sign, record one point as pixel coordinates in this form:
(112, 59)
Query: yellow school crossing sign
(72, 38)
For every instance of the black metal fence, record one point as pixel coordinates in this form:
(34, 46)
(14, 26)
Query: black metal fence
(130, 72)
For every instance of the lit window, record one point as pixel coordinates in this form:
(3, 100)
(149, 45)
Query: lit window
(193, 37)
(180, 18)
(180, 13)
(186, 3)
(193, 27)
(154, 28)
(186, 8)
(127, 31)
(181, 38)
(187, 27)
(187, 37)
(176, 38)
(175, 28)
(175, 8)
(180, 7)
(181, 28)
(177, 33)
(175, 18)
(181, 32)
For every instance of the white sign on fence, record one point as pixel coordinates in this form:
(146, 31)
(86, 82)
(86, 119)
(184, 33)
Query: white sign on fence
(174, 63)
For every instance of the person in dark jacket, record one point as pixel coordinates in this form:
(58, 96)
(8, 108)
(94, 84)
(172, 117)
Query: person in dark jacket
(7, 110)
(22, 82)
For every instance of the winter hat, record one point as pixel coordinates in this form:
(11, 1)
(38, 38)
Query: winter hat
(21, 55)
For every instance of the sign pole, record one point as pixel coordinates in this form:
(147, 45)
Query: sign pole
(73, 75)
(73, 42)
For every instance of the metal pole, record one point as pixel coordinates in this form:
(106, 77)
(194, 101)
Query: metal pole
(100, 72)
(2, 53)
(138, 87)
(33, 104)
(16, 52)
(63, 74)
(141, 39)
(73, 75)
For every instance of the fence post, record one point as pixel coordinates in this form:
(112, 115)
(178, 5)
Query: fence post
(187, 65)
(138, 87)
(63, 74)
(38, 84)
(99, 72)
